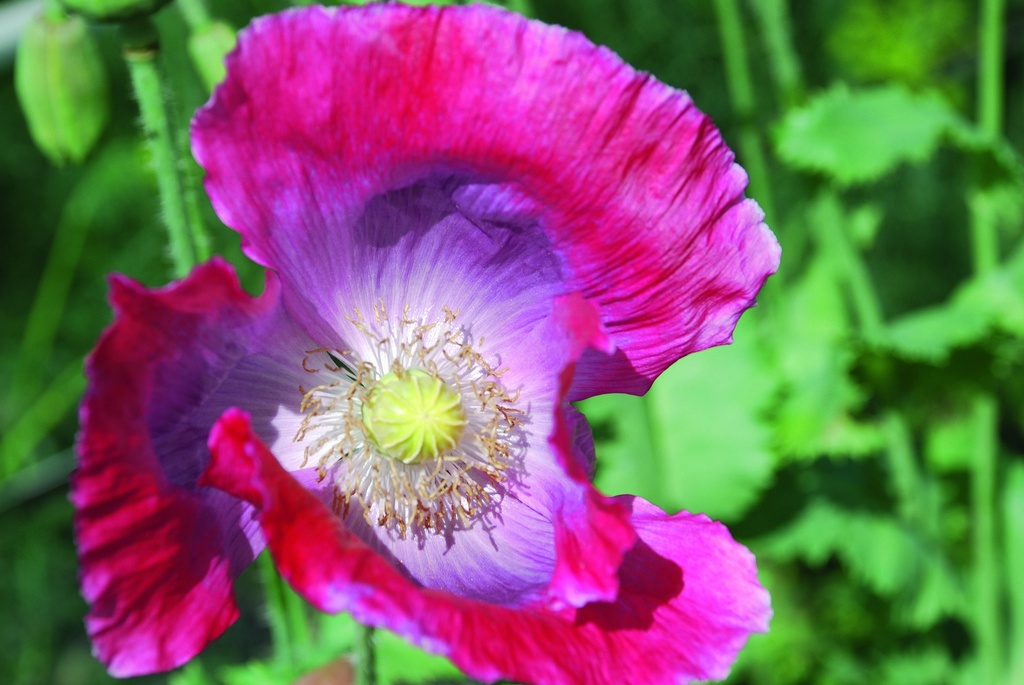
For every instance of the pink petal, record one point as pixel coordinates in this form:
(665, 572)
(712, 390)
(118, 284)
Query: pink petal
(325, 109)
(157, 553)
(689, 595)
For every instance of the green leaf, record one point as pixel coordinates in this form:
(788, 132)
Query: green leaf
(708, 445)
(931, 334)
(814, 416)
(707, 421)
(399, 663)
(877, 550)
(626, 461)
(873, 547)
(856, 136)
(996, 164)
(1000, 294)
(935, 593)
(993, 300)
(929, 667)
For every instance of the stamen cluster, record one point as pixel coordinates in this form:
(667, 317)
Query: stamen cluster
(435, 490)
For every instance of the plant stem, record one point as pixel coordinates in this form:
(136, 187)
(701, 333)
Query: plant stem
(741, 93)
(985, 466)
(366, 668)
(905, 472)
(296, 613)
(21, 439)
(54, 285)
(1013, 514)
(850, 263)
(988, 633)
(773, 17)
(179, 217)
(991, 40)
(990, 68)
(287, 614)
(277, 613)
(39, 477)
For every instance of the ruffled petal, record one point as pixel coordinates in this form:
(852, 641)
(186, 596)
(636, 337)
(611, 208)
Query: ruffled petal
(688, 598)
(324, 110)
(158, 554)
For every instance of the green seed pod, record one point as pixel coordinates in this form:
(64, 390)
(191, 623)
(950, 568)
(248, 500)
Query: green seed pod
(62, 87)
(208, 47)
(114, 10)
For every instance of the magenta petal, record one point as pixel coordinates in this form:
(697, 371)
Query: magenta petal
(155, 574)
(325, 109)
(158, 554)
(590, 536)
(688, 587)
(689, 595)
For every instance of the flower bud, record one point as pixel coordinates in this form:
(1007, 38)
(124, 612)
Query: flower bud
(114, 10)
(208, 47)
(62, 87)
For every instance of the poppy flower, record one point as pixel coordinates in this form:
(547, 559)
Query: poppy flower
(469, 220)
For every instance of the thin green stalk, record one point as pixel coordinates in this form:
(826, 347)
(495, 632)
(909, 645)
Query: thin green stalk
(21, 439)
(39, 477)
(744, 103)
(985, 465)
(991, 41)
(906, 474)
(851, 264)
(366, 666)
(277, 612)
(1013, 514)
(287, 614)
(984, 232)
(179, 217)
(783, 63)
(200, 239)
(987, 607)
(54, 285)
(297, 614)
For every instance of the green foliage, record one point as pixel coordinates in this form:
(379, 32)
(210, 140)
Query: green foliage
(817, 413)
(668, 446)
(903, 40)
(987, 303)
(885, 555)
(855, 136)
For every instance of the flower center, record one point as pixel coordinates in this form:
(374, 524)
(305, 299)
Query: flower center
(413, 423)
(413, 417)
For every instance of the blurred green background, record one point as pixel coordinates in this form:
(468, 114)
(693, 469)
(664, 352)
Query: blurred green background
(864, 435)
